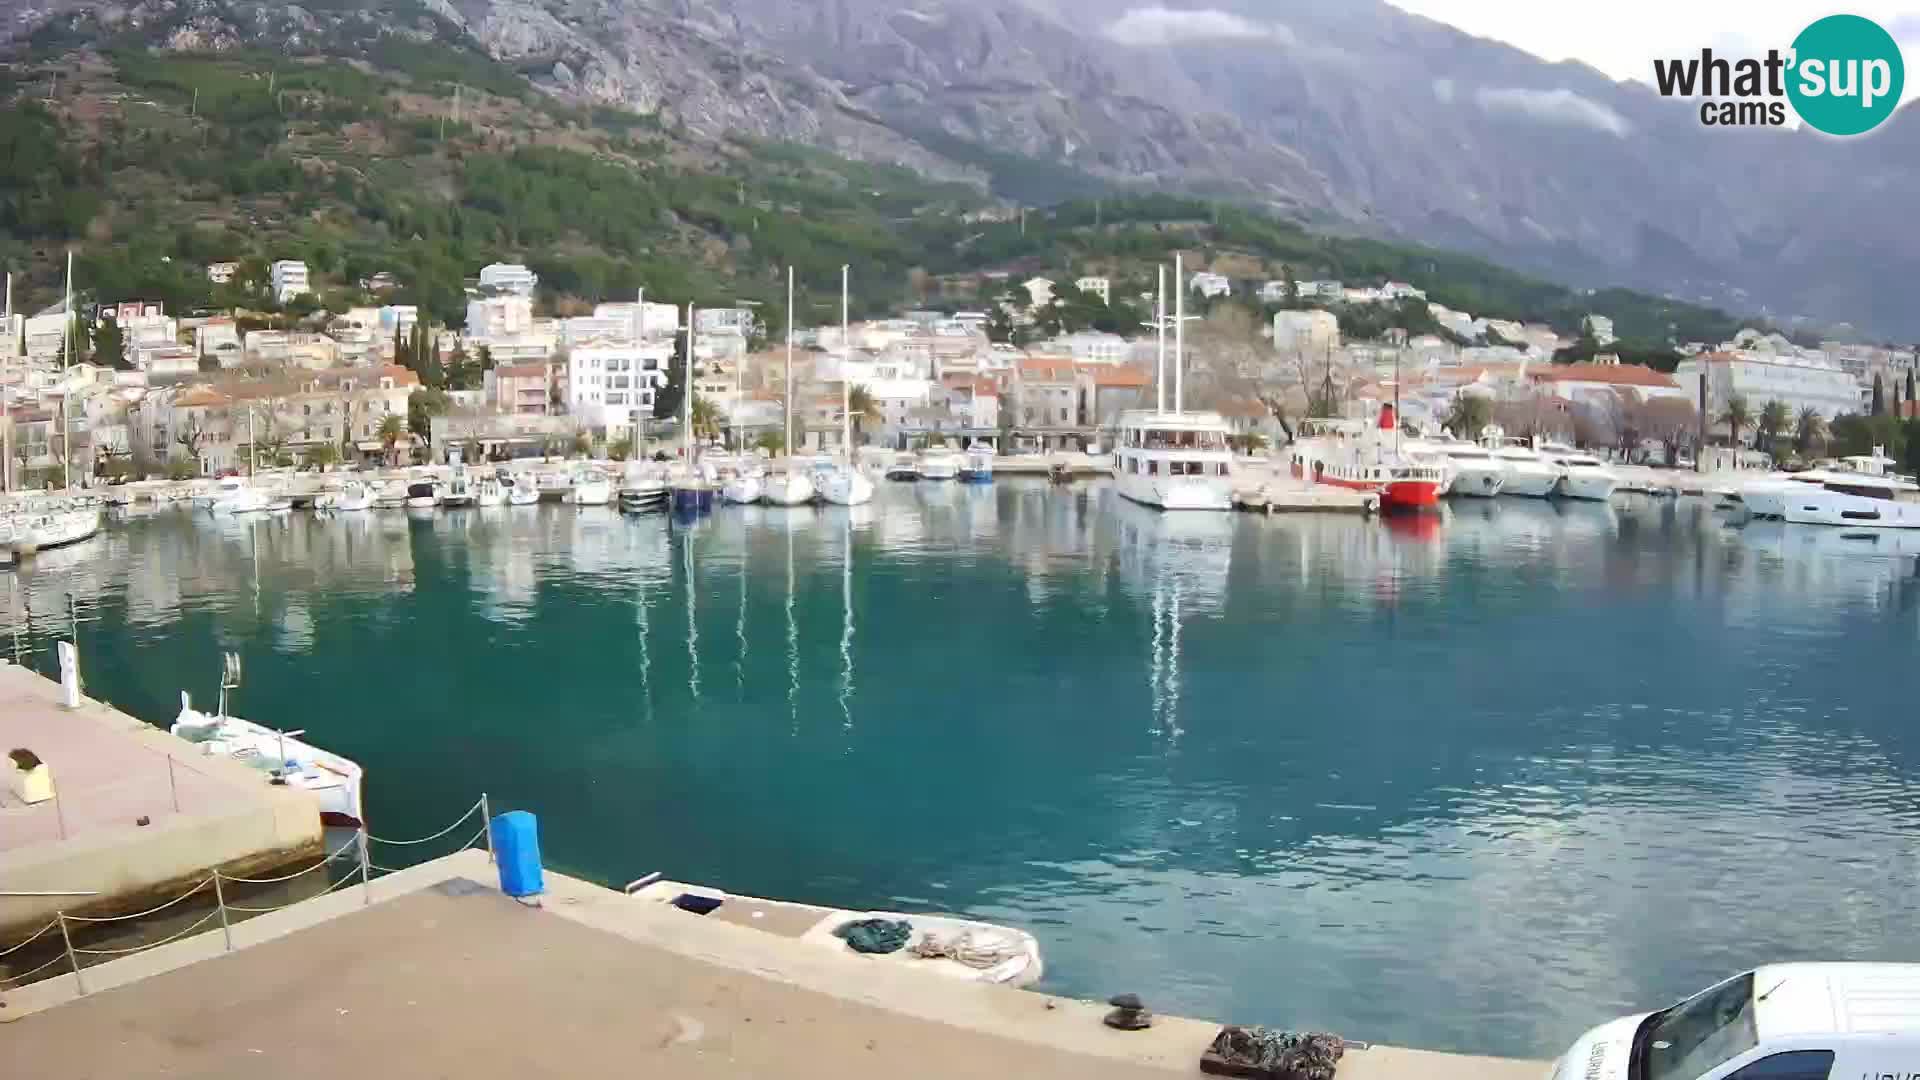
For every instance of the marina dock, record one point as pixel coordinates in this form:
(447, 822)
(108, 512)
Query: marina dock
(137, 815)
(1277, 493)
(433, 972)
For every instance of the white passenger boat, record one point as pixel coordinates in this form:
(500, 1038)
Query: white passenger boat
(1583, 476)
(459, 491)
(939, 463)
(286, 760)
(1174, 460)
(590, 488)
(487, 491)
(943, 946)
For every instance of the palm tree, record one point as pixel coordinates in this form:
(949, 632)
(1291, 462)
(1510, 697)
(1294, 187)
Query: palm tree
(1737, 417)
(860, 407)
(706, 418)
(1771, 422)
(391, 429)
(1808, 429)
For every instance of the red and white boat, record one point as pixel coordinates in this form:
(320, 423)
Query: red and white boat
(1350, 454)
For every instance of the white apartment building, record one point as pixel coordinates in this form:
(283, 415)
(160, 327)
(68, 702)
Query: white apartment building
(505, 316)
(1039, 291)
(610, 384)
(1760, 377)
(1324, 290)
(1602, 328)
(588, 328)
(1092, 346)
(734, 320)
(289, 279)
(1305, 331)
(1096, 286)
(1210, 284)
(220, 273)
(45, 336)
(509, 277)
(646, 320)
(1274, 292)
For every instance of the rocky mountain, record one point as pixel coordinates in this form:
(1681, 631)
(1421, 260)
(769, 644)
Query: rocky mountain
(1350, 114)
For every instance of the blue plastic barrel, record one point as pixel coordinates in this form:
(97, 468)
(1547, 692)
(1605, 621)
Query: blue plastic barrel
(516, 849)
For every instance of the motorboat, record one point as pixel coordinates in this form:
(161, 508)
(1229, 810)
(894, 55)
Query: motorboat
(1529, 475)
(791, 488)
(590, 488)
(423, 495)
(905, 467)
(352, 496)
(940, 946)
(487, 491)
(845, 485)
(1859, 492)
(460, 489)
(522, 491)
(285, 759)
(42, 524)
(977, 468)
(392, 495)
(234, 495)
(645, 496)
(939, 463)
(743, 488)
(1361, 457)
(1583, 476)
(1476, 473)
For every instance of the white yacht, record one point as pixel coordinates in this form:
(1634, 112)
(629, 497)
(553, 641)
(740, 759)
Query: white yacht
(352, 496)
(979, 466)
(1859, 492)
(590, 488)
(1475, 472)
(1174, 460)
(42, 523)
(1583, 476)
(392, 495)
(423, 495)
(487, 491)
(523, 490)
(845, 485)
(1528, 474)
(743, 487)
(939, 463)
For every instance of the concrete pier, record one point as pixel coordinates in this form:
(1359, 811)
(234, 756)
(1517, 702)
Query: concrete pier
(441, 975)
(87, 850)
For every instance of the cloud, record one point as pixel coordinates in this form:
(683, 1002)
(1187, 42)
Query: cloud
(1167, 26)
(1560, 106)
(1443, 91)
(1904, 27)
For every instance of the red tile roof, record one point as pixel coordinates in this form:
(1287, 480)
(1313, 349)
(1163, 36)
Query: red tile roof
(1119, 375)
(1047, 368)
(521, 371)
(1611, 374)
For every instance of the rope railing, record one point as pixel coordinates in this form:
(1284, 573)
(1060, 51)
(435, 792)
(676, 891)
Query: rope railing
(361, 842)
(30, 939)
(203, 920)
(471, 810)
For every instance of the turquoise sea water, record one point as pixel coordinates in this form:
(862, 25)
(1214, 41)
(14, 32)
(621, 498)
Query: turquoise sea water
(1472, 783)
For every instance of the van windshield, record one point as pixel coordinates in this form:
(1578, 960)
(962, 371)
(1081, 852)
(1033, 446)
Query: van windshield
(1697, 1035)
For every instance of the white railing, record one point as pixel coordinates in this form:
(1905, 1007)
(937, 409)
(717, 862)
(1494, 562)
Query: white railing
(360, 845)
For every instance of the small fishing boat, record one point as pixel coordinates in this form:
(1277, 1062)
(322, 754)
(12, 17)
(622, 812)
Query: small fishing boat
(939, 463)
(905, 467)
(939, 945)
(459, 490)
(488, 492)
(392, 495)
(523, 491)
(978, 467)
(333, 781)
(590, 488)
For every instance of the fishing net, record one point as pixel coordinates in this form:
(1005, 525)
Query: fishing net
(1280, 1055)
(876, 936)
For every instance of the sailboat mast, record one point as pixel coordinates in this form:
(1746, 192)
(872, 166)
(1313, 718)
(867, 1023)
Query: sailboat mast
(686, 406)
(786, 380)
(1179, 332)
(846, 386)
(66, 392)
(1160, 325)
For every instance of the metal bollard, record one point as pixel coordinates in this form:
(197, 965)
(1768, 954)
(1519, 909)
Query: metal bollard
(173, 786)
(486, 824)
(366, 870)
(220, 901)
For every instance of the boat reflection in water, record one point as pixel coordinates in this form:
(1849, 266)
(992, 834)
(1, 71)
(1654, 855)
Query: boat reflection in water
(1180, 563)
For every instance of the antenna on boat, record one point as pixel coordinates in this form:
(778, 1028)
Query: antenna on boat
(1179, 331)
(229, 678)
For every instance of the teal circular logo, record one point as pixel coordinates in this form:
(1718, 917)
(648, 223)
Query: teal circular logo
(1846, 75)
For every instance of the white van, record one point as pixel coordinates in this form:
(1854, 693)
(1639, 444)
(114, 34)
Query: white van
(1780, 1022)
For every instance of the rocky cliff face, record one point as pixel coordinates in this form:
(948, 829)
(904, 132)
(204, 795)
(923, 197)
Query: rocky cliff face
(1348, 112)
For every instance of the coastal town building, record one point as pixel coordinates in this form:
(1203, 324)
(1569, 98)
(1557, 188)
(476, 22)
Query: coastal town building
(1760, 374)
(221, 273)
(1039, 291)
(1311, 331)
(1209, 284)
(611, 383)
(1096, 286)
(525, 389)
(288, 279)
(1602, 382)
(1091, 347)
(1600, 327)
(505, 316)
(509, 278)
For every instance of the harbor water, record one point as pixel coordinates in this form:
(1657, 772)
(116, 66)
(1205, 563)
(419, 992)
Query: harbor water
(1468, 782)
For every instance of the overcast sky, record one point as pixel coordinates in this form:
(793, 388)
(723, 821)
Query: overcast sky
(1622, 37)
